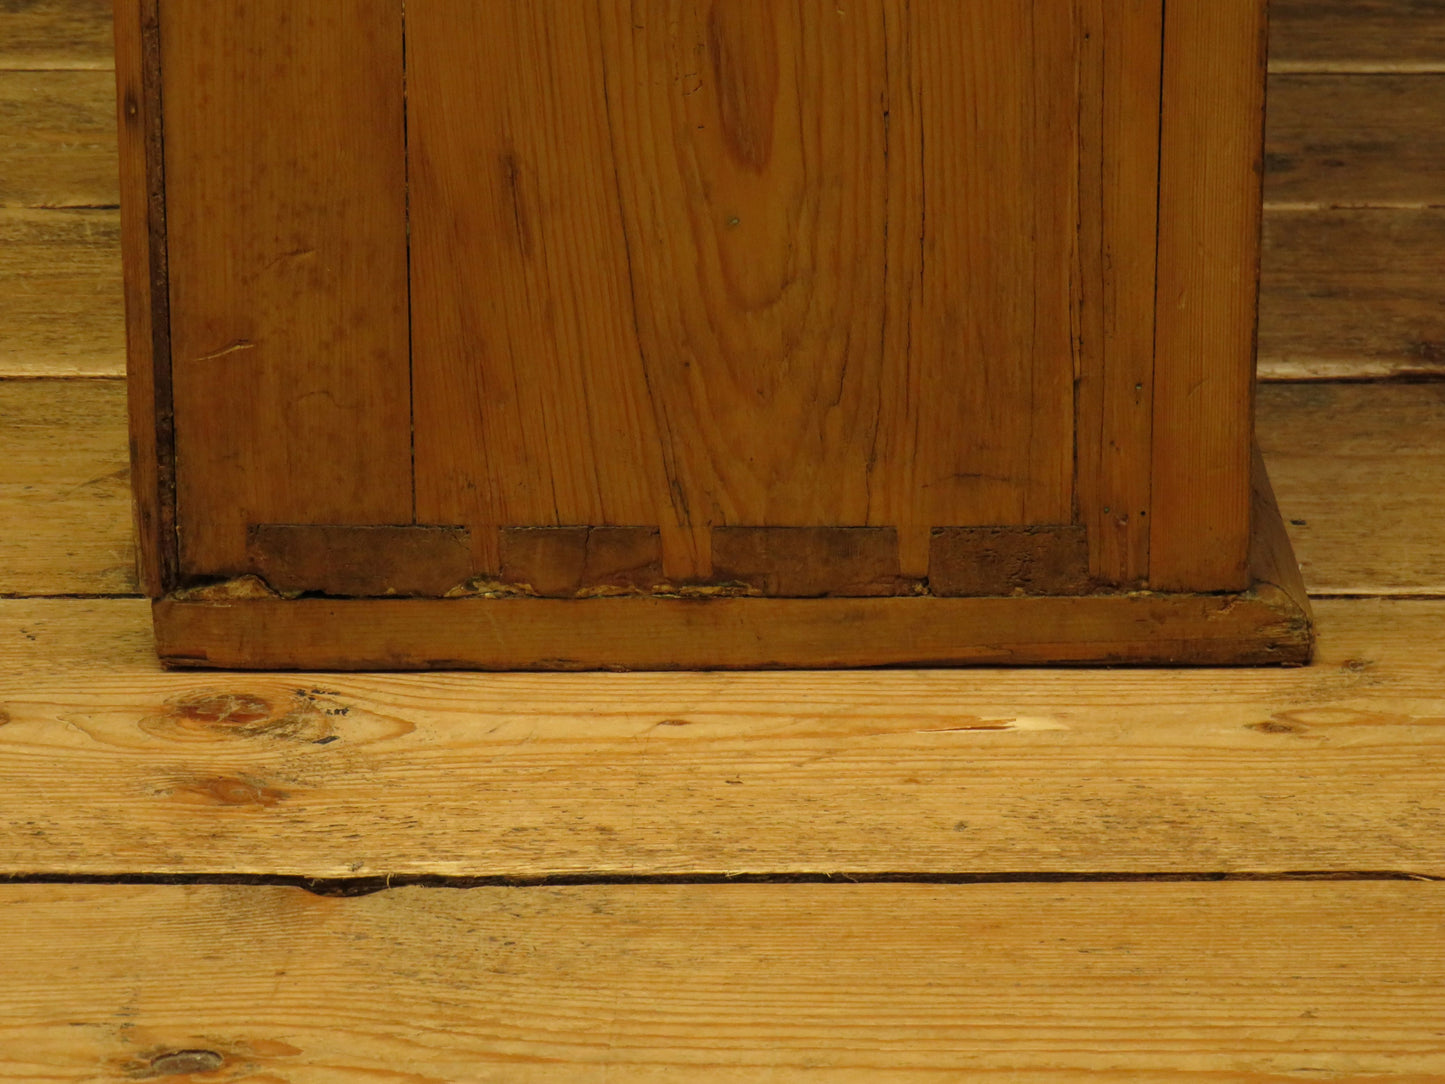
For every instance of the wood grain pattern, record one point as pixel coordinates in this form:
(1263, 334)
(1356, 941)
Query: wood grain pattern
(61, 306)
(1316, 35)
(997, 198)
(811, 562)
(290, 356)
(531, 397)
(59, 145)
(1353, 293)
(1330, 767)
(45, 34)
(686, 195)
(1119, 187)
(730, 983)
(1387, 471)
(1355, 141)
(64, 494)
(1208, 281)
(565, 562)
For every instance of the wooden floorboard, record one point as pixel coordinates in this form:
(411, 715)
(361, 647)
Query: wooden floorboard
(1355, 141)
(59, 146)
(65, 508)
(110, 766)
(1360, 471)
(46, 34)
(1247, 983)
(1324, 35)
(1351, 294)
(60, 293)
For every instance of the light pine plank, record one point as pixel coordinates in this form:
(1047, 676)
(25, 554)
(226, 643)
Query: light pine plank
(1356, 140)
(42, 34)
(57, 139)
(289, 355)
(64, 489)
(60, 293)
(1322, 35)
(1361, 473)
(1254, 983)
(1351, 293)
(616, 774)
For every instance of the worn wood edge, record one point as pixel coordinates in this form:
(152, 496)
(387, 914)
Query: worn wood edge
(147, 300)
(251, 628)
(729, 633)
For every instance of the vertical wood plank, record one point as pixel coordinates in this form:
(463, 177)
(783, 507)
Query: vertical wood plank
(286, 198)
(750, 142)
(532, 400)
(1210, 207)
(1119, 178)
(143, 233)
(990, 372)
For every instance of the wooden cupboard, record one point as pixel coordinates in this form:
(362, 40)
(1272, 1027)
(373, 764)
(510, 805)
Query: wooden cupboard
(699, 333)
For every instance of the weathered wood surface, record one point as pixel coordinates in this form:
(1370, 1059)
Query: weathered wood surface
(1324, 35)
(60, 293)
(1353, 293)
(43, 34)
(110, 765)
(58, 147)
(1253, 983)
(1355, 141)
(64, 489)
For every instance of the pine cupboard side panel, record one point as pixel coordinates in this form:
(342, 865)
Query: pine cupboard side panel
(286, 204)
(142, 187)
(1209, 244)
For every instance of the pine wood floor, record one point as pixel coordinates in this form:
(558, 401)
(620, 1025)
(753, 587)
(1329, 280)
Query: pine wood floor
(989, 875)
